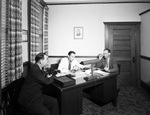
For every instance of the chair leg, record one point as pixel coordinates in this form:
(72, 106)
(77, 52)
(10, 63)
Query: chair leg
(114, 102)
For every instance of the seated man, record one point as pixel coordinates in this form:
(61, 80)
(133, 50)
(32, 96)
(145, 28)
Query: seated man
(31, 97)
(69, 63)
(108, 64)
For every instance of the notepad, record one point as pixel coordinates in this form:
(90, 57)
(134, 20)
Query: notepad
(103, 73)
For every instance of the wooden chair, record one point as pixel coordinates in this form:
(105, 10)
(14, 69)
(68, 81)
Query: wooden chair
(10, 100)
(54, 68)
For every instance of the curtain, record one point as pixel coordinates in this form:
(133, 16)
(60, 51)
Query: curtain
(45, 29)
(3, 64)
(34, 29)
(14, 39)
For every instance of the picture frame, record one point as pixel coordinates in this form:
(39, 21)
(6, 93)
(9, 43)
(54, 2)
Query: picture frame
(78, 32)
(24, 36)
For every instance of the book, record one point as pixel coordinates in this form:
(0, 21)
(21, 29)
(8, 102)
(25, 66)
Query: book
(64, 81)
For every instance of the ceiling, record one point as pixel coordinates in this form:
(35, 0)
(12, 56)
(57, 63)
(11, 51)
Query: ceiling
(94, 1)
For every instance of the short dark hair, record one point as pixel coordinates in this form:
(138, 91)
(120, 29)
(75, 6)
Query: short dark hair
(39, 56)
(107, 50)
(71, 52)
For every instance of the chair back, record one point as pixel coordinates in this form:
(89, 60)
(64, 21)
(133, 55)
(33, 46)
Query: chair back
(119, 68)
(54, 66)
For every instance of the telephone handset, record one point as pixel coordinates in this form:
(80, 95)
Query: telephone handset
(101, 56)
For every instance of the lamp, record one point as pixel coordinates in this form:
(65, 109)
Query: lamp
(92, 62)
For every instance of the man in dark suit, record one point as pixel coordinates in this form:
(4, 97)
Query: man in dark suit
(109, 64)
(31, 97)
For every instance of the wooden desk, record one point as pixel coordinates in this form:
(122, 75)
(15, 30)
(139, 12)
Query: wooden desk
(101, 90)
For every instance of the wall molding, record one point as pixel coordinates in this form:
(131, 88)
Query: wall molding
(144, 12)
(79, 3)
(145, 57)
(76, 56)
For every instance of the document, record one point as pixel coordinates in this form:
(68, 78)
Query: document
(79, 77)
(60, 74)
(103, 73)
(88, 72)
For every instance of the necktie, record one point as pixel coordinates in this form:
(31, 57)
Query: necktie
(69, 67)
(108, 63)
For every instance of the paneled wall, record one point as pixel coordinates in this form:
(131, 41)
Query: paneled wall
(145, 46)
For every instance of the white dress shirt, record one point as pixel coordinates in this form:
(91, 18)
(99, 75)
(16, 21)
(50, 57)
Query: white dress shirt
(64, 65)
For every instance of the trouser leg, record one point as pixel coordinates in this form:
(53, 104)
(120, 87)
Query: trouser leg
(52, 104)
(39, 109)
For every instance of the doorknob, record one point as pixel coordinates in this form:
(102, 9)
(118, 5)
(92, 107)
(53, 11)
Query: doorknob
(133, 59)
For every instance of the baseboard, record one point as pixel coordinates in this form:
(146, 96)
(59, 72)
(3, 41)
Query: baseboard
(146, 86)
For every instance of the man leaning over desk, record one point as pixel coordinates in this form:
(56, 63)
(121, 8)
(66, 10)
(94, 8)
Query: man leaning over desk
(69, 63)
(31, 97)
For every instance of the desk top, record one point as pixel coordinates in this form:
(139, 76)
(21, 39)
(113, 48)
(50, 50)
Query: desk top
(80, 75)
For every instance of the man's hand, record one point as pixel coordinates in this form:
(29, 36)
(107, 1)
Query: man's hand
(107, 69)
(76, 68)
(48, 76)
(100, 56)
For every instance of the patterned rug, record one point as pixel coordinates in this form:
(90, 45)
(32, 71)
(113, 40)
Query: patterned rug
(130, 101)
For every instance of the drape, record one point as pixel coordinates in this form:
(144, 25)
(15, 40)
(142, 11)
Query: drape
(34, 29)
(11, 37)
(3, 48)
(45, 30)
(14, 37)
(11, 41)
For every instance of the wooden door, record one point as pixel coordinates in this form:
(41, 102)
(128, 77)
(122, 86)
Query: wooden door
(123, 40)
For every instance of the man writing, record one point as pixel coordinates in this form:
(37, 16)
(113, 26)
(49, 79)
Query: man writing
(69, 64)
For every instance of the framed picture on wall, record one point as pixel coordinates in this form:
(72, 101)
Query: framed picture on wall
(78, 32)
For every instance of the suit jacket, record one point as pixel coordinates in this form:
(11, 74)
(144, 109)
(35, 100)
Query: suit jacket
(31, 91)
(112, 64)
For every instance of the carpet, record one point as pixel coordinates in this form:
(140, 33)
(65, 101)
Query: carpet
(130, 101)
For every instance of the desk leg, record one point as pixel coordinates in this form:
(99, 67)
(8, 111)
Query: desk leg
(71, 102)
(114, 102)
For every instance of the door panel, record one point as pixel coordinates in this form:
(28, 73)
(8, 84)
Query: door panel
(121, 39)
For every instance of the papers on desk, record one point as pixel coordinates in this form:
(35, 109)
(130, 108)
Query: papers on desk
(88, 72)
(80, 74)
(60, 74)
(79, 77)
(100, 72)
(103, 73)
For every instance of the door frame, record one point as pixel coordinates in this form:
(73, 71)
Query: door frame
(137, 45)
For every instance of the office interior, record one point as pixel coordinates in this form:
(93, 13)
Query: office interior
(54, 33)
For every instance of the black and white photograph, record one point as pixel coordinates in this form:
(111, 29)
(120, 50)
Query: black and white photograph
(74, 57)
(78, 32)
